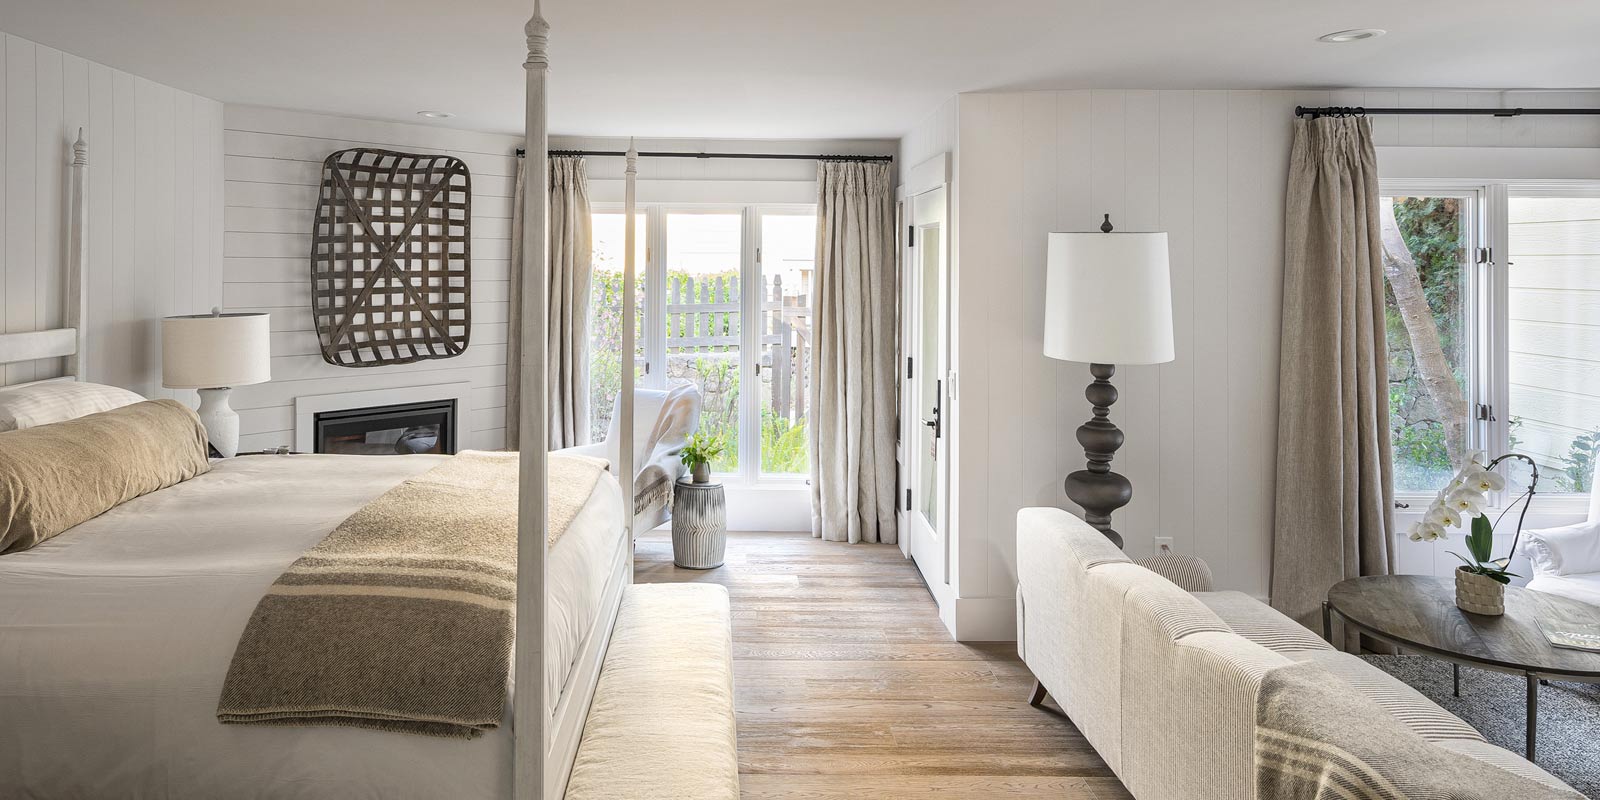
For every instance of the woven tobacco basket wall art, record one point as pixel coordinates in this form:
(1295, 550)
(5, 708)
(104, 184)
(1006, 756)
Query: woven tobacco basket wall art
(391, 258)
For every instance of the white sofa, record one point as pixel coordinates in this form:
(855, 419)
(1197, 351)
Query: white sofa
(663, 421)
(1164, 683)
(1566, 560)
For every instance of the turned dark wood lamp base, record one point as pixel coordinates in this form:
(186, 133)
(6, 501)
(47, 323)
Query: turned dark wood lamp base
(1097, 489)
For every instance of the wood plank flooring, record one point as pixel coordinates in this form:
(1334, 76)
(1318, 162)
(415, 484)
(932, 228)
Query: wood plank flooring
(848, 686)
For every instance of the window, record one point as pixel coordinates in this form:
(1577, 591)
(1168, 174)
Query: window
(608, 238)
(1493, 326)
(695, 266)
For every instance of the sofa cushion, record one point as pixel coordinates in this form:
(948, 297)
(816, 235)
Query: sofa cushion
(1582, 588)
(1409, 706)
(1260, 623)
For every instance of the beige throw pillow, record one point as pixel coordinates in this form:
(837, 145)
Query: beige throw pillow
(53, 477)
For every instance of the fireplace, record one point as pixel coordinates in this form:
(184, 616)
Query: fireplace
(401, 429)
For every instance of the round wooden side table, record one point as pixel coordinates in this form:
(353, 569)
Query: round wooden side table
(699, 525)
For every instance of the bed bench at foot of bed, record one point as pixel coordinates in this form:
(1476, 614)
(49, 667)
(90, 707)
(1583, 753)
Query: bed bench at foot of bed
(662, 722)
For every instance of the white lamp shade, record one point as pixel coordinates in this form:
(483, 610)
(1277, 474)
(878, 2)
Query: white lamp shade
(208, 351)
(1108, 298)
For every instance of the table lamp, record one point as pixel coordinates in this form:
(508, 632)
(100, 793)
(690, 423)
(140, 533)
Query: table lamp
(214, 353)
(1108, 301)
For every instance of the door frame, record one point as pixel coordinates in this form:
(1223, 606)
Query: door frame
(926, 203)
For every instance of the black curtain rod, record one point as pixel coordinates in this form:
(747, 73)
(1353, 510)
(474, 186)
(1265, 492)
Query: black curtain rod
(1358, 111)
(767, 156)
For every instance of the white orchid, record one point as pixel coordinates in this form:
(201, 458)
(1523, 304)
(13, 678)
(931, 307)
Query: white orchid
(1484, 482)
(1475, 459)
(1442, 516)
(1466, 501)
(1429, 532)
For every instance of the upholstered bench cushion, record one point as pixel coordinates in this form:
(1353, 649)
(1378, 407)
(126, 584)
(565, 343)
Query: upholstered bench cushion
(1259, 623)
(662, 723)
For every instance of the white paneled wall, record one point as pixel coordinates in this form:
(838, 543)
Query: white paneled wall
(154, 213)
(273, 162)
(1210, 168)
(272, 169)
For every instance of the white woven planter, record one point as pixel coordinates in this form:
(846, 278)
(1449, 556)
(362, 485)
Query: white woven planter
(1479, 594)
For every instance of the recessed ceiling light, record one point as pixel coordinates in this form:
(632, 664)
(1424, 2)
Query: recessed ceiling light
(1354, 35)
(435, 114)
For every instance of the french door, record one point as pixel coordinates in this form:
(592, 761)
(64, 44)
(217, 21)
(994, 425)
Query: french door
(925, 388)
(724, 304)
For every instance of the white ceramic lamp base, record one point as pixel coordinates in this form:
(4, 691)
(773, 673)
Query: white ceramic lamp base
(221, 421)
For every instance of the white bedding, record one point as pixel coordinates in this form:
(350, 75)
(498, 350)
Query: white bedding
(115, 637)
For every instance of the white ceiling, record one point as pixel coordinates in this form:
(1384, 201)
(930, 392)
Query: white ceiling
(817, 69)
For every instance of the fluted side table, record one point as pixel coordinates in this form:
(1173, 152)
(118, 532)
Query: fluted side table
(699, 525)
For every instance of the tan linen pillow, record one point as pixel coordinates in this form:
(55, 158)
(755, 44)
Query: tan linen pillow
(55, 476)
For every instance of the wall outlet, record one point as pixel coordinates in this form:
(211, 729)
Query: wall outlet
(1164, 543)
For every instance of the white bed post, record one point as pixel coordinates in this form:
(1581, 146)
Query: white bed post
(74, 298)
(625, 448)
(529, 720)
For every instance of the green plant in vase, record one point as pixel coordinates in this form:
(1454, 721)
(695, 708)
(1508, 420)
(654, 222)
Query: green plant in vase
(698, 454)
(1481, 579)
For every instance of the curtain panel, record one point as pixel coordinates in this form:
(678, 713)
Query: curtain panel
(571, 268)
(1335, 498)
(852, 429)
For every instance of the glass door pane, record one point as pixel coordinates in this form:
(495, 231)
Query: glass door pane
(788, 256)
(704, 254)
(1428, 316)
(605, 313)
(928, 389)
(1553, 335)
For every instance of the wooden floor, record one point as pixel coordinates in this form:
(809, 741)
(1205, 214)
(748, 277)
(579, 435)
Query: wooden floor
(848, 686)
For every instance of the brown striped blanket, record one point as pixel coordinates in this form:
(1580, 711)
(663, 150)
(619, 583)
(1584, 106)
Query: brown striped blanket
(402, 618)
(1318, 738)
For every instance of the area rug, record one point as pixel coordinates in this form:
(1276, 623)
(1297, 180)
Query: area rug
(1495, 703)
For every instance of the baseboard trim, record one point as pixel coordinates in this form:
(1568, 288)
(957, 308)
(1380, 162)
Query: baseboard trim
(984, 619)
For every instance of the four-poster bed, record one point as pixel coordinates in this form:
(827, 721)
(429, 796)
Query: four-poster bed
(190, 594)
(130, 616)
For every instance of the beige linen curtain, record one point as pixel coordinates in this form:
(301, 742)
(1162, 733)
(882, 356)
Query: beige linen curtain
(571, 267)
(1335, 501)
(852, 368)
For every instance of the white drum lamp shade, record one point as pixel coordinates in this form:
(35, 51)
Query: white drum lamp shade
(1108, 298)
(214, 353)
(208, 351)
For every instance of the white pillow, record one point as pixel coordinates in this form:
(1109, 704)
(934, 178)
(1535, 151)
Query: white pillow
(32, 404)
(1568, 550)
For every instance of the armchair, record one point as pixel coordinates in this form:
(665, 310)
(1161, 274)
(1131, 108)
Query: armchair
(1566, 560)
(663, 420)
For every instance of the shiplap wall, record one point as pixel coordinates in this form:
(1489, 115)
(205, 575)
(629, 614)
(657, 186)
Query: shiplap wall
(1210, 168)
(272, 166)
(154, 212)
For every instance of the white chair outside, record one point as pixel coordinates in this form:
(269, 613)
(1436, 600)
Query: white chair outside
(663, 421)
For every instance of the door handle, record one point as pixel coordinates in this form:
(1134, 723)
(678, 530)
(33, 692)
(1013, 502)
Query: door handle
(936, 422)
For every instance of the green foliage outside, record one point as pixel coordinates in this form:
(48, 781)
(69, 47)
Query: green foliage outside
(784, 447)
(1431, 227)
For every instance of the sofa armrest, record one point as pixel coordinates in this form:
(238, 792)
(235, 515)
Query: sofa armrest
(1190, 573)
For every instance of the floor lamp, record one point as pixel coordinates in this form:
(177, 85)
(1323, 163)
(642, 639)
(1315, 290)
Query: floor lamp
(1108, 301)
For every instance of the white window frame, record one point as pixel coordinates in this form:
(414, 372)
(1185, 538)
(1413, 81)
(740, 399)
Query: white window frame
(1488, 298)
(655, 335)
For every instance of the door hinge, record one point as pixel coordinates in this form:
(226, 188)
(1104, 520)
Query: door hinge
(758, 255)
(1485, 413)
(1485, 255)
(911, 236)
(908, 368)
(908, 499)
